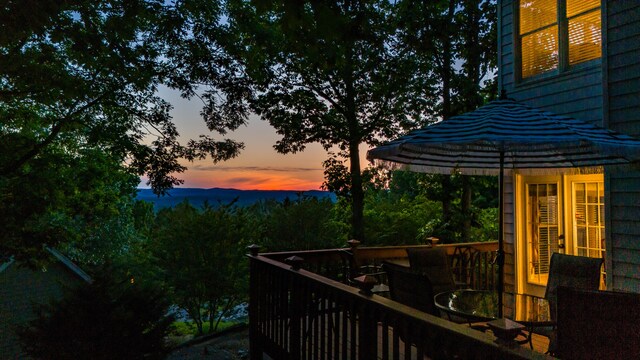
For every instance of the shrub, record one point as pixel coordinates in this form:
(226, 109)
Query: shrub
(104, 320)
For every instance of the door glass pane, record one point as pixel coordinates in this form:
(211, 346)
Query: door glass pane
(542, 229)
(581, 237)
(588, 225)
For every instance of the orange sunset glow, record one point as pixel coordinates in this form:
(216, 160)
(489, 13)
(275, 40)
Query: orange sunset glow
(258, 167)
(254, 178)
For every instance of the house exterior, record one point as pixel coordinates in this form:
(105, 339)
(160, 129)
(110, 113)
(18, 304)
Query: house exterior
(21, 288)
(579, 58)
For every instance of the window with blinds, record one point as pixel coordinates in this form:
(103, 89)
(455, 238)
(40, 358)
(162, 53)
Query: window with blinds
(539, 36)
(584, 30)
(556, 34)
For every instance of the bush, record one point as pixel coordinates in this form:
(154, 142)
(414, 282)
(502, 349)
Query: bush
(398, 220)
(104, 320)
(305, 223)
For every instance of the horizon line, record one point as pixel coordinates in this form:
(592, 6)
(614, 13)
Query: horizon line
(236, 189)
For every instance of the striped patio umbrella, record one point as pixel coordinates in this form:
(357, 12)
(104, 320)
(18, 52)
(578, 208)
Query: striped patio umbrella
(502, 136)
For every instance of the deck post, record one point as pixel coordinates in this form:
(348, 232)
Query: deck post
(255, 345)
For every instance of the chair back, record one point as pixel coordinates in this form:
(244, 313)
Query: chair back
(597, 324)
(434, 263)
(410, 288)
(579, 272)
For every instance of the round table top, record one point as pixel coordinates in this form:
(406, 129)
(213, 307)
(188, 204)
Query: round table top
(482, 305)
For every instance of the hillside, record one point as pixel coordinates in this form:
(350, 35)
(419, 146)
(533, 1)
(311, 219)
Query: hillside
(218, 196)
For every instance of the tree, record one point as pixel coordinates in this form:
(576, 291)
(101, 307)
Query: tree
(477, 50)
(64, 196)
(80, 77)
(305, 223)
(460, 60)
(108, 319)
(328, 72)
(201, 254)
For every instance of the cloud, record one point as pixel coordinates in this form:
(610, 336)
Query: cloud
(252, 168)
(247, 180)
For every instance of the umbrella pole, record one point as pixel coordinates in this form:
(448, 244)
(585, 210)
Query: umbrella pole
(500, 254)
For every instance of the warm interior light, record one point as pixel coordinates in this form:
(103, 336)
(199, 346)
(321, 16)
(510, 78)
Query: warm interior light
(540, 34)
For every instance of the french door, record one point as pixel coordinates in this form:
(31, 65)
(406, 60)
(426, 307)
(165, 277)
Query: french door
(559, 214)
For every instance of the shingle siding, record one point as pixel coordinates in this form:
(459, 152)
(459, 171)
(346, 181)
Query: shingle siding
(623, 72)
(509, 238)
(505, 43)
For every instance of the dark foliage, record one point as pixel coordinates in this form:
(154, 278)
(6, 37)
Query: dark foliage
(107, 319)
(305, 223)
(79, 78)
(202, 254)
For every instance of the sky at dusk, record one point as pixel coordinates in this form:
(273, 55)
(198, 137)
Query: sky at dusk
(258, 167)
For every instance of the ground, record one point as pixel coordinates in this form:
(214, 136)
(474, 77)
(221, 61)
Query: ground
(232, 345)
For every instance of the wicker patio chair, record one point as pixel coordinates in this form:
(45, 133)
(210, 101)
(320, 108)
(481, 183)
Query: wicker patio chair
(434, 263)
(578, 272)
(410, 288)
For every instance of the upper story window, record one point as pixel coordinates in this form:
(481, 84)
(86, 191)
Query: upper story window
(557, 34)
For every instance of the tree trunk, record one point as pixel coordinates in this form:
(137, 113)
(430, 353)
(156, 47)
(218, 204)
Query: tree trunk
(471, 97)
(466, 208)
(211, 320)
(446, 71)
(357, 194)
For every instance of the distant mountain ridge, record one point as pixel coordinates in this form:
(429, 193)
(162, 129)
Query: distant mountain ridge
(220, 196)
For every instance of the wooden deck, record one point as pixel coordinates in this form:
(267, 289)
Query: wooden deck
(311, 314)
(540, 343)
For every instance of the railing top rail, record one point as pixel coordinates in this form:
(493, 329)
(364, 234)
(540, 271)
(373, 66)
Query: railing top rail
(398, 249)
(285, 254)
(385, 252)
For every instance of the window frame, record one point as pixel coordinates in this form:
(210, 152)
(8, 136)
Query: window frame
(563, 46)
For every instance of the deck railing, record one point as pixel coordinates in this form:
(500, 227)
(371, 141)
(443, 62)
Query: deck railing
(472, 263)
(298, 314)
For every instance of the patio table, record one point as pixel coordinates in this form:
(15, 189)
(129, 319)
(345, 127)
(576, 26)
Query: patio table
(482, 305)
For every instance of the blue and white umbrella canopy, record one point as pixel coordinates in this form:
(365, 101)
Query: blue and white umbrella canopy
(505, 135)
(528, 138)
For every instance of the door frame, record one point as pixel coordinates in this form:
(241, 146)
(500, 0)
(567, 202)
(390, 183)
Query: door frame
(565, 198)
(522, 284)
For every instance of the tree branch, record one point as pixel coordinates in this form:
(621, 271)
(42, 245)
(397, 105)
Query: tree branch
(55, 131)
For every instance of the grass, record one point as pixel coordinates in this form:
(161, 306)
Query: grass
(183, 328)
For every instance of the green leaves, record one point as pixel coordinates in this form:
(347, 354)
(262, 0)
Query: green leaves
(65, 195)
(329, 72)
(80, 112)
(89, 71)
(201, 253)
